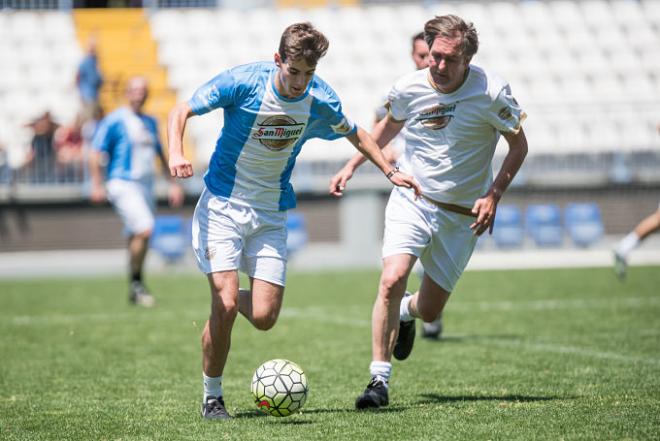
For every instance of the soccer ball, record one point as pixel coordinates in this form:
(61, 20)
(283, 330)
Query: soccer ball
(279, 387)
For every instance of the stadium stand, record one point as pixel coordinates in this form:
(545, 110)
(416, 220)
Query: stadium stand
(587, 73)
(543, 224)
(569, 63)
(583, 223)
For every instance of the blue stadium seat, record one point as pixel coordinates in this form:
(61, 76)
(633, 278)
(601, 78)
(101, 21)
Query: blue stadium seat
(583, 223)
(543, 223)
(169, 237)
(297, 232)
(508, 231)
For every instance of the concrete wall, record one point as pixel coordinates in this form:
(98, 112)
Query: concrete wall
(359, 215)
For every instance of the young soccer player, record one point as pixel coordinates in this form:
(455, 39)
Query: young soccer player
(454, 113)
(271, 109)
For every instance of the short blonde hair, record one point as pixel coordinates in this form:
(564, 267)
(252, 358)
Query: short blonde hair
(453, 26)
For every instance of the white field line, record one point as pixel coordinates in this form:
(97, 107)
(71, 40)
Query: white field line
(322, 316)
(552, 304)
(574, 350)
(337, 315)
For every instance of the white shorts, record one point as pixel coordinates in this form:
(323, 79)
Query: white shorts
(229, 236)
(441, 239)
(135, 204)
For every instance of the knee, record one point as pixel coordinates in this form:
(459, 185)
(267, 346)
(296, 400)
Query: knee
(265, 322)
(224, 309)
(392, 278)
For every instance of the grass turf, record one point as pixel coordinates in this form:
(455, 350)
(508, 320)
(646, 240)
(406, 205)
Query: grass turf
(548, 354)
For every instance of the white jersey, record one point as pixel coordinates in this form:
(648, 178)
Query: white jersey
(451, 138)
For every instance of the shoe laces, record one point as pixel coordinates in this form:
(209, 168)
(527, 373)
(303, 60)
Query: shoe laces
(375, 382)
(215, 405)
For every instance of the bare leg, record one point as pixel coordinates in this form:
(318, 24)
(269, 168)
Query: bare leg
(261, 304)
(216, 337)
(648, 225)
(385, 316)
(429, 301)
(138, 245)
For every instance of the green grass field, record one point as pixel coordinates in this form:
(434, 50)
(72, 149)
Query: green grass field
(552, 354)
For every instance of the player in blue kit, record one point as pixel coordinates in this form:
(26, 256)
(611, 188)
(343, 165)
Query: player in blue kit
(270, 110)
(127, 139)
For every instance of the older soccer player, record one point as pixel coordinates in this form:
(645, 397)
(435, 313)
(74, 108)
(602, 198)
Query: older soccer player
(454, 113)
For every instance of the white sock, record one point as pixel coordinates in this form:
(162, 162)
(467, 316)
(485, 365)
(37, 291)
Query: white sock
(627, 244)
(212, 386)
(381, 370)
(404, 309)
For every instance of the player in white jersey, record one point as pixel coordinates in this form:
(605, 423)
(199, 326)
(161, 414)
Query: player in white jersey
(127, 140)
(270, 109)
(454, 113)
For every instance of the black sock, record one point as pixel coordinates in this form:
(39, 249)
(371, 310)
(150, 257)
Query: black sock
(136, 277)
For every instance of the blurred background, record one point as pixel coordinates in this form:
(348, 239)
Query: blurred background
(586, 72)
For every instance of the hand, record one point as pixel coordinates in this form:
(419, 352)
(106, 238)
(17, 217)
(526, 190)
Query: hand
(180, 167)
(338, 181)
(485, 209)
(97, 195)
(401, 179)
(176, 195)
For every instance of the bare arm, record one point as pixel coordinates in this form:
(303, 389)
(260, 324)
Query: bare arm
(372, 151)
(486, 206)
(179, 166)
(97, 194)
(382, 134)
(175, 195)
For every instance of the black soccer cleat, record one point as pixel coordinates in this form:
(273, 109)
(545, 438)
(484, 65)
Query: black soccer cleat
(374, 396)
(214, 409)
(405, 340)
(139, 295)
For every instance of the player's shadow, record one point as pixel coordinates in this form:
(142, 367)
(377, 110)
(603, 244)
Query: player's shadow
(389, 409)
(296, 418)
(437, 398)
(465, 338)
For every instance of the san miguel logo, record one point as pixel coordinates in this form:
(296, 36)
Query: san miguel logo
(437, 117)
(278, 132)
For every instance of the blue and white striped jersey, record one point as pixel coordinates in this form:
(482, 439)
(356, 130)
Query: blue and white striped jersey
(131, 142)
(263, 133)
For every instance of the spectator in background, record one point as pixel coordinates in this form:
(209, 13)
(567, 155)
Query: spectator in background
(40, 163)
(89, 81)
(5, 170)
(644, 229)
(69, 154)
(129, 140)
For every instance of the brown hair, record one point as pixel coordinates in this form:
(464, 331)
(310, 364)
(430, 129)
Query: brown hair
(417, 36)
(302, 40)
(452, 26)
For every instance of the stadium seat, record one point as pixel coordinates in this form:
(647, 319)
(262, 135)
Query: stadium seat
(169, 237)
(297, 232)
(543, 224)
(508, 231)
(583, 223)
